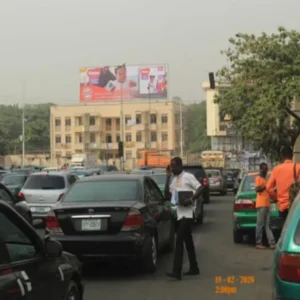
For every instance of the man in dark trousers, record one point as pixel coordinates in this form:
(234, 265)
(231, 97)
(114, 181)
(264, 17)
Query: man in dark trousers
(188, 182)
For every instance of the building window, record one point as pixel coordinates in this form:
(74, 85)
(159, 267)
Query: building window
(108, 124)
(118, 139)
(92, 137)
(78, 121)
(58, 139)
(164, 119)
(138, 118)
(128, 137)
(138, 136)
(128, 154)
(68, 122)
(153, 118)
(164, 137)
(57, 122)
(68, 139)
(118, 124)
(92, 121)
(127, 118)
(153, 136)
(109, 155)
(79, 138)
(108, 139)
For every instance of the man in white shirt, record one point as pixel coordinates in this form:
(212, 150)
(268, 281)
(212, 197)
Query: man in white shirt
(188, 182)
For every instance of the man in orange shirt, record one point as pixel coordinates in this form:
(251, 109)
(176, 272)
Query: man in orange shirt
(282, 178)
(263, 208)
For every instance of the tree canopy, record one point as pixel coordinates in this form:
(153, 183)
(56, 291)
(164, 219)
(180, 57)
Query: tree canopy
(37, 119)
(259, 85)
(196, 128)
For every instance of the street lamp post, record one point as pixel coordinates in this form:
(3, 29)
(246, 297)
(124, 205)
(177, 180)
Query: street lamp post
(122, 159)
(23, 125)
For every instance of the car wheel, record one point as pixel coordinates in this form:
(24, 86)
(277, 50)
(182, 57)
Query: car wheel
(150, 258)
(171, 241)
(73, 292)
(237, 236)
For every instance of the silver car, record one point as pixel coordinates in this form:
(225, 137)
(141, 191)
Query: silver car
(217, 181)
(43, 190)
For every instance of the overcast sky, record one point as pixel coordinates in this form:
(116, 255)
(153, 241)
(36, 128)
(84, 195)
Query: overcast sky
(43, 42)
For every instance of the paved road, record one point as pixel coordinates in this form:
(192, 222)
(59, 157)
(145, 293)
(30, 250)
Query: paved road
(217, 256)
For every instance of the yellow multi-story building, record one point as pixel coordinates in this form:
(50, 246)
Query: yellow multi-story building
(97, 128)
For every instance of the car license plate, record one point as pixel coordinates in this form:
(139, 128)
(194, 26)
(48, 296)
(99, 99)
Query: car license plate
(92, 224)
(229, 178)
(40, 209)
(273, 207)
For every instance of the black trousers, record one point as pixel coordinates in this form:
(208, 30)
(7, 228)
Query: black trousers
(283, 214)
(184, 236)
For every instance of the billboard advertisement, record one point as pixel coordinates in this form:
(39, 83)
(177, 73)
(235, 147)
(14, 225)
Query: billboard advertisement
(123, 83)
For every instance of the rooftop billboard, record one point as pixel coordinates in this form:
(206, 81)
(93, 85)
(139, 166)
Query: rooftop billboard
(123, 83)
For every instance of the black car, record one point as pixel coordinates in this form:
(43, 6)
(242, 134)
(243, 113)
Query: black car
(111, 217)
(231, 176)
(20, 206)
(202, 177)
(32, 268)
(14, 182)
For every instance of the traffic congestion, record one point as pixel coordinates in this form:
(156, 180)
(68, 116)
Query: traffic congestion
(65, 226)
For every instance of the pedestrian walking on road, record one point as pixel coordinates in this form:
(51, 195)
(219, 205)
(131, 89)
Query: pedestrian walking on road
(284, 182)
(263, 209)
(184, 181)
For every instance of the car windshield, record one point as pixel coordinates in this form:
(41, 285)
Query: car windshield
(248, 184)
(159, 178)
(12, 180)
(213, 173)
(106, 190)
(45, 182)
(232, 172)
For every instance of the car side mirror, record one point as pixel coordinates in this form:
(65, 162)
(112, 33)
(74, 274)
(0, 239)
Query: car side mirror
(53, 248)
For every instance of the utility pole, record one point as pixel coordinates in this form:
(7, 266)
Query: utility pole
(23, 124)
(181, 130)
(122, 159)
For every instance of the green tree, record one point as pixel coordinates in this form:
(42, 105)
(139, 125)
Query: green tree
(37, 137)
(196, 128)
(262, 80)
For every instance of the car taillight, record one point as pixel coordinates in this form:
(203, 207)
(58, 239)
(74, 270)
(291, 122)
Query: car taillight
(21, 196)
(133, 220)
(240, 204)
(289, 267)
(52, 223)
(60, 197)
(205, 182)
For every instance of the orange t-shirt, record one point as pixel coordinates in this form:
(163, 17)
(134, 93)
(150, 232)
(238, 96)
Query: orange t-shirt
(282, 178)
(262, 198)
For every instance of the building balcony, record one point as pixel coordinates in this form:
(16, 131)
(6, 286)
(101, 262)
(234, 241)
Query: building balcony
(79, 146)
(153, 145)
(57, 128)
(139, 127)
(95, 146)
(109, 146)
(164, 145)
(140, 145)
(79, 128)
(129, 144)
(153, 126)
(57, 146)
(94, 128)
(68, 128)
(164, 125)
